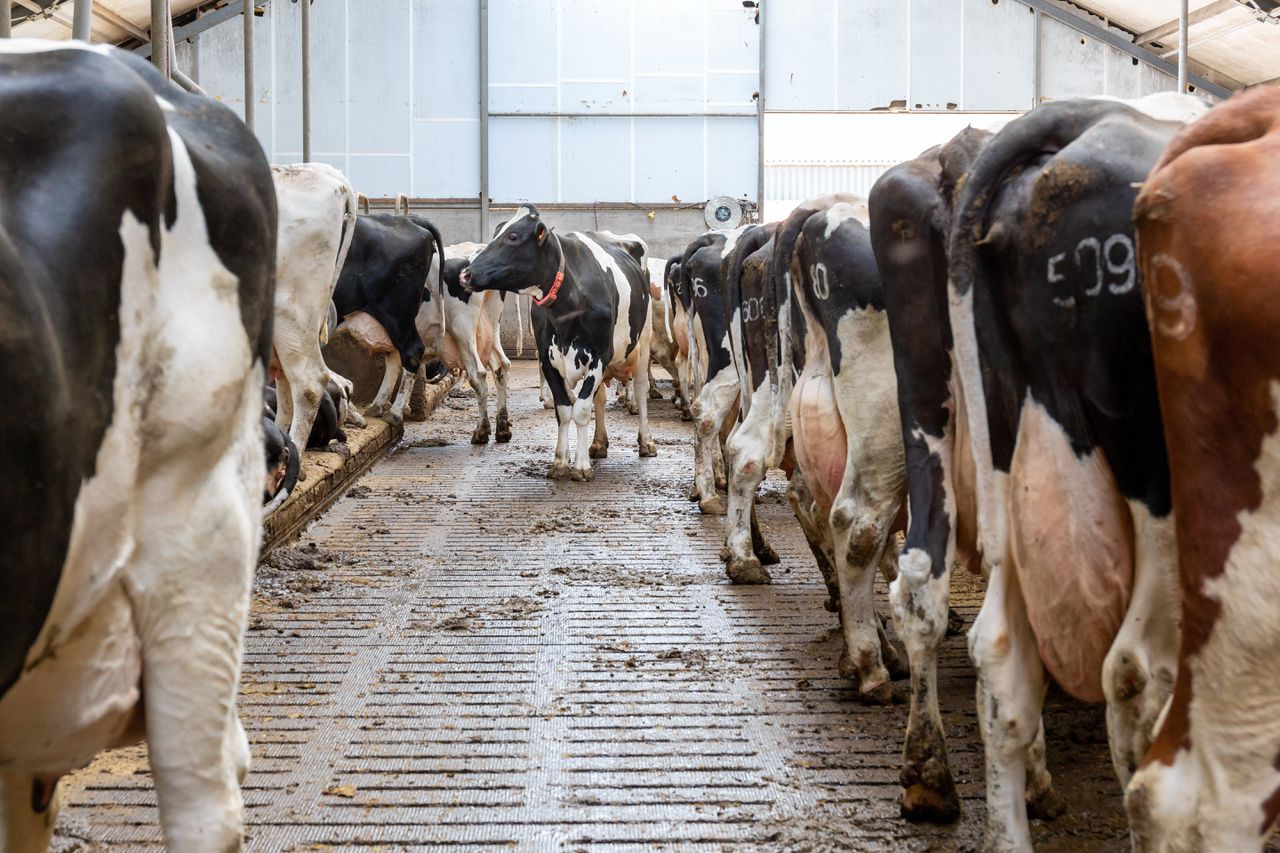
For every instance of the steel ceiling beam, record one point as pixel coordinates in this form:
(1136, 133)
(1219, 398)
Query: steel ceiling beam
(217, 16)
(1199, 16)
(1122, 44)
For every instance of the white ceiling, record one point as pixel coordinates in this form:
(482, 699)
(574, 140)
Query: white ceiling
(1227, 39)
(110, 19)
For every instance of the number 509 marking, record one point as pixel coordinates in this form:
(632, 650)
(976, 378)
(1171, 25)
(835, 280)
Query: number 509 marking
(1116, 253)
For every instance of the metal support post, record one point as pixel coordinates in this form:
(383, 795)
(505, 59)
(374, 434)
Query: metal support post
(306, 80)
(484, 121)
(1183, 27)
(82, 20)
(160, 36)
(760, 114)
(249, 95)
(6, 18)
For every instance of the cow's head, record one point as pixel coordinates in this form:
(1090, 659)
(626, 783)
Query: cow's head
(522, 257)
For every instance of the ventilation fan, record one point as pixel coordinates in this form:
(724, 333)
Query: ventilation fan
(723, 212)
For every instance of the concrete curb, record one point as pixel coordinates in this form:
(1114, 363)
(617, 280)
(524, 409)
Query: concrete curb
(330, 475)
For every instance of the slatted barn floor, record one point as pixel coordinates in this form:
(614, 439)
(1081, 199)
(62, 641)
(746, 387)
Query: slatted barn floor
(464, 655)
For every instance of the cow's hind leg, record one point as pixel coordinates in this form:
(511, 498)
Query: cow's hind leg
(30, 810)
(1138, 672)
(644, 441)
(563, 403)
(748, 453)
(600, 441)
(189, 579)
(817, 533)
(1011, 687)
(395, 417)
(391, 370)
(858, 538)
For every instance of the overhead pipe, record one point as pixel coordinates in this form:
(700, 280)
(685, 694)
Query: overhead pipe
(160, 36)
(306, 81)
(484, 121)
(82, 20)
(1183, 27)
(249, 95)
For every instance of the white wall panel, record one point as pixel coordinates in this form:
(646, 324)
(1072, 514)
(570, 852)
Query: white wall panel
(522, 159)
(872, 62)
(1003, 78)
(937, 52)
(1071, 64)
(664, 167)
(800, 53)
(381, 77)
(595, 159)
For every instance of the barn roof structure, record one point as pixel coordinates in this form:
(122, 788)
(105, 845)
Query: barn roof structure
(1232, 43)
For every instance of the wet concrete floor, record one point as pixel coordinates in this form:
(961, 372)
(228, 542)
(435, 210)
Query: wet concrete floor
(462, 654)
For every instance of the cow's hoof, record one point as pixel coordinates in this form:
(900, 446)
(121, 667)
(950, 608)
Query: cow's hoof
(503, 435)
(748, 571)
(955, 622)
(725, 553)
(648, 449)
(583, 475)
(558, 471)
(1045, 804)
(883, 694)
(895, 663)
(480, 436)
(832, 605)
(599, 451)
(766, 555)
(302, 474)
(686, 415)
(376, 410)
(393, 419)
(654, 393)
(356, 419)
(929, 793)
(548, 403)
(721, 483)
(712, 505)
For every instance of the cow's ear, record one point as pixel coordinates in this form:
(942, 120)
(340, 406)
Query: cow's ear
(540, 233)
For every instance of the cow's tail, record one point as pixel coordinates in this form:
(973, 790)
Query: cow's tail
(423, 222)
(349, 210)
(519, 328)
(362, 202)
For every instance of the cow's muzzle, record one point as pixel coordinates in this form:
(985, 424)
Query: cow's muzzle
(464, 278)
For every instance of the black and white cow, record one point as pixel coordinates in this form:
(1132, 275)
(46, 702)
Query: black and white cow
(670, 347)
(1054, 360)
(910, 208)
(284, 464)
(462, 329)
(590, 316)
(379, 295)
(714, 379)
(317, 218)
(137, 254)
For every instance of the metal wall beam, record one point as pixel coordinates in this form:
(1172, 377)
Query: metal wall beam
(250, 95)
(160, 21)
(760, 112)
(199, 25)
(484, 121)
(82, 20)
(1200, 15)
(1117, 41)
(306, 80)
(1183, 27)
(109, 17)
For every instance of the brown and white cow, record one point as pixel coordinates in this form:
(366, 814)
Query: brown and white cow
(1210, 260)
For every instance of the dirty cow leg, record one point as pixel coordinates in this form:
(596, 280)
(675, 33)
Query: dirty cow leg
(391, 370)
(564, 414)
(590, 401)
(858, 537)
(748, 449)
(709, 413)
(29, 807)
(644, 441)
(395, 417)
(479, 382)
(1011, 687)
(818, 535)
(191, 607)
(1138, 672)
(600, 443)
(501, 374)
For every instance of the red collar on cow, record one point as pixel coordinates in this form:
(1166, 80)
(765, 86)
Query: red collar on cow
(554, 291)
